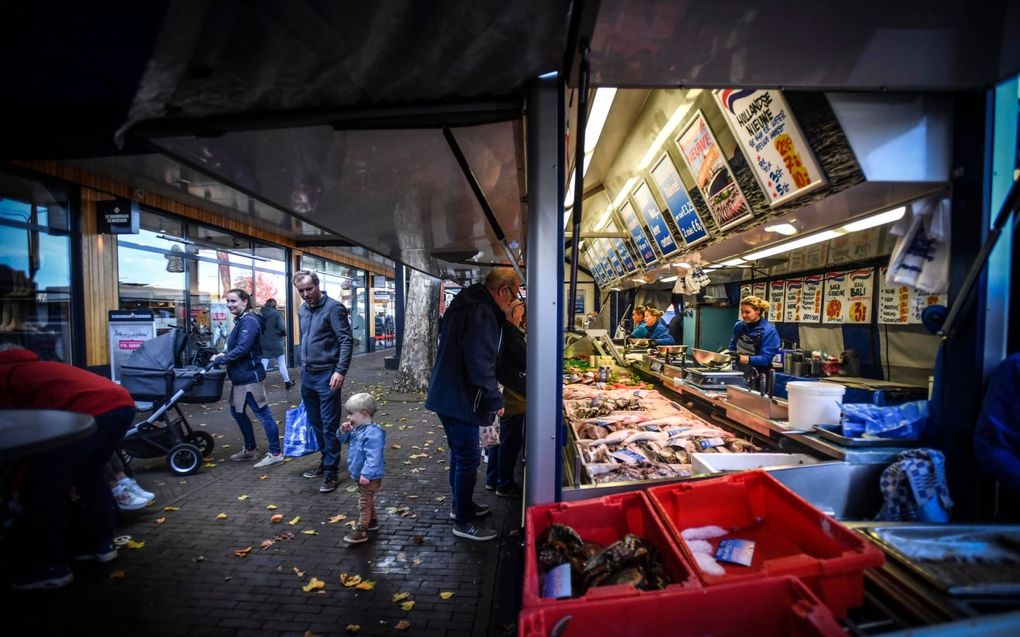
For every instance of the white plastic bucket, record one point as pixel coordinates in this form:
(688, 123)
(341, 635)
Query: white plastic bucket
(814, 403)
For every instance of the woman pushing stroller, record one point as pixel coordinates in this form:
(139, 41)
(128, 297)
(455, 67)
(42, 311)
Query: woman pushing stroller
(243, 359)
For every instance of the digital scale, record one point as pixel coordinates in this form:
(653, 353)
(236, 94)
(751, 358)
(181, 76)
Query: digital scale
(706, 378)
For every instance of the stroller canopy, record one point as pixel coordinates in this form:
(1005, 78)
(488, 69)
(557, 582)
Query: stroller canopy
(159, 353)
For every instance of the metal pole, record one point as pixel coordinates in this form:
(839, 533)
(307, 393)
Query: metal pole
(399, 294)
(544, 419)
(582, 121)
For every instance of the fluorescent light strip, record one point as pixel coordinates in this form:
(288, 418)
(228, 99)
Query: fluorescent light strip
(785, 229)
(876, 220)
(793, 245)
(732, 262)
(597, 118)
(669, 279)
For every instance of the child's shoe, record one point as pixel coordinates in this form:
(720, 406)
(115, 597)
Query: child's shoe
(357, 536)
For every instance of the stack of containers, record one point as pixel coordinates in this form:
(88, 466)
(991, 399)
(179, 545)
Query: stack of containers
(791, 537)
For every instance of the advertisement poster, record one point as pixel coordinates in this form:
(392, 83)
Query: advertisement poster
(630, 220)
(773, 143)
(679, 203)
(837, 294)
(653, 218)
(624, 252)
(745, 290)
(860, 296)
(703, 156)
(791, 301)
(613, 257)
(894, 306)
(602, 263)
(777, 293)
(128, 329)
(811, 299)
(760, 290)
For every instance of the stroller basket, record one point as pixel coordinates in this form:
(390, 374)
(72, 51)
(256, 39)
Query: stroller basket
(157, 385)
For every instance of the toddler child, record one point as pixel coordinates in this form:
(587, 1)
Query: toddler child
(366, 441)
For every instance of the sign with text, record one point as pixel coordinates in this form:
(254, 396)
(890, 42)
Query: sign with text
(653, 218)
(791, 301)
(760, 290)
(628, 261)
(119, 216)
(777, 293)
(773, 143)
(637, 232)
(678, 202)
(128, 329)
(837, 291)
(703, 156)
(613, 257)
(894, 302)
(860, 296)
(811, 299)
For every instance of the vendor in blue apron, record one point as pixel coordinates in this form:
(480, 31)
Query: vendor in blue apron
(755, 340)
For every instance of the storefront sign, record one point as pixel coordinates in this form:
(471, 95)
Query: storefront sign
(772, 141)
(703, 156)
(811, 299)
(777, 293)
(630, 220)
(119, 216)
(653, 217)
(679, 203)
(791, 302)
(128, 329)
(624, 252)
(894, 302)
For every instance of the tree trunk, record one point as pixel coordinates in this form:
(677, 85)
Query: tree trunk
(421, 333)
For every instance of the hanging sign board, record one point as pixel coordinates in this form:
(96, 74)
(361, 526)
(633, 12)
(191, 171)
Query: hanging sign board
(608, 274)
(624, 252)
(811, 299)
(837, 292)
(760, 290)
(613, 257)
(893, 302)
(128, 330)
(703, 156)
(777, 293)
(630, 220)
(595, 274)
(772, 141)
(791, 303)
(653, 217)
(679, 203)
(860, 296)
(119, 216)
(745, 290)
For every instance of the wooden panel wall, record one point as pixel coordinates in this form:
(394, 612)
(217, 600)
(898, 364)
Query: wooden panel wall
(100, 251)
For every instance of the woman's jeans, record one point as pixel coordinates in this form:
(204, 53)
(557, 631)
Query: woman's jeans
(465, 456)
(503, 457)
(281, 363)
(265, 417)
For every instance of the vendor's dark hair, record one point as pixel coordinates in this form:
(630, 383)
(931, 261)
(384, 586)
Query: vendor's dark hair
(269, 303)
(245, 296)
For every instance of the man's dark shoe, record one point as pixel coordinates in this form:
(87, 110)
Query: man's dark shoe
(490, 486)
(329, 483)
(512, 491)
(316, 472)
(289, 384)
(474, 532)
(480, 512)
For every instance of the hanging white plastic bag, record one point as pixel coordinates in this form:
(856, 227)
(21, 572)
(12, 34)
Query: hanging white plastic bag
(488, 436)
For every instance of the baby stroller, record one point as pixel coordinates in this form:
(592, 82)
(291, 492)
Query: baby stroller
(149, 374)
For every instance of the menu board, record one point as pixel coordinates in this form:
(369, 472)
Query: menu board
(745, 290)
(688, 221)
(608, 274)
(811, 299)
(760, 290)
(630, 220)
(861, 296)
(894, 302)
(920, 301)
(791, 301)
(777, 293)
(796, 260)
(624, 252)
(772, 141)
(613, 258)
(653, 217)
(704, 158)
(588, 263)
(837, 291)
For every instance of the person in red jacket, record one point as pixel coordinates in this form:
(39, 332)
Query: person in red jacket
(44, 540)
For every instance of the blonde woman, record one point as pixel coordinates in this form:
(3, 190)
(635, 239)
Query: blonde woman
(656, 327)
(755, 340)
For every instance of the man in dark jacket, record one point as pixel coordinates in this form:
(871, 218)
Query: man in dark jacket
(273, 333)
(510, 370)
(326, 348)
(463, 390)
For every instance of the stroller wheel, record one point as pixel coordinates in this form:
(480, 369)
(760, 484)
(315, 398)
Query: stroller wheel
(203, 441)
(183, 459)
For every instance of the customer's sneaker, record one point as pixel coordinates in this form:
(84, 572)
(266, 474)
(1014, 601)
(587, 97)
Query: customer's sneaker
(245, 454)
(474, 532)
(289, 384)
(106, 553)
(357, 536)
(329, 483)
(131, 485)
(54, 577)
(270, 460)
(481, 511)
(490, 486)
(373, 525)
(315, 472)
(127, 501)
(513, 491)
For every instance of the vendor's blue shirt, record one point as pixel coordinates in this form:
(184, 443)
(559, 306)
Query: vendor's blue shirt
(767, 337)
(659, 333)
(641, 331)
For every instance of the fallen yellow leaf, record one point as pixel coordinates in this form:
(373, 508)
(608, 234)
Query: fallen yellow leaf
(365, 586)
(350, 581)
(407, 606)
(396, 446)
(221, 516)
(299, 572)
(272, 507)
(171, 508)
(446, 595)
(160, 520)
(118, 574)
(276, 518)
(242, 498)
(295, 521)
(310, 532)
(243, 552)
(353, 629)
(400, 596)
(314, 584)
(135, 545)
(209, 465)
(337, 518)
(403, 625)
(265, 477)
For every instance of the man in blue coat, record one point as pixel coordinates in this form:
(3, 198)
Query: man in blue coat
(997, 436)
(463, 390)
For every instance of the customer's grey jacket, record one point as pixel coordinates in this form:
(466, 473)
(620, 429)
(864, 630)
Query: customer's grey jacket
(326, 341)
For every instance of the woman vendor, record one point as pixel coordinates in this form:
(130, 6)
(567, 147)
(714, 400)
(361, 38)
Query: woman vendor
(755, 340)
(638, 319)
(656, 327)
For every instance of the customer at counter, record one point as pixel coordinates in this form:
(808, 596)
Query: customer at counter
(656, 327)
(755, 340)
(638, 318)
(997, 436)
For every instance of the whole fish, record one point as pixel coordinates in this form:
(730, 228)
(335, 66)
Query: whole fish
(612, 439)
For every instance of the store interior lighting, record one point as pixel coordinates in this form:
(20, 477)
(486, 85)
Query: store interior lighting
(785, 229)
(876, 220)
(872, 221)
(600, 108)
(685, 265)
(669, 279)
(732, 263)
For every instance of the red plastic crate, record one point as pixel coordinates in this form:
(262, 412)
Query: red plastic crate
(604, 520)
(792, 537)
(774, 607)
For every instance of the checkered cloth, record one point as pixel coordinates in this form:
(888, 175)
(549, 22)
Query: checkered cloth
(914, 488)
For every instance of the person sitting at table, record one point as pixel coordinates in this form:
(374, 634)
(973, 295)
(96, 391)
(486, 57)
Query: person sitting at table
(657, 330)
(638, 317)
(42, 538)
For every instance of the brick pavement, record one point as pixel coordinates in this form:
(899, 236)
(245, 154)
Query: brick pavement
(186, 578)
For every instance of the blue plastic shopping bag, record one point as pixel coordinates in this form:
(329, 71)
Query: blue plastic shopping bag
(299, 437)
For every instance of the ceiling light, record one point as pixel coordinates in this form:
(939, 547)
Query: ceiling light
(660, 139)
(876, 220)
(685, 265)
(793, 245)
(622, 195)
(597, 118)
(782, 228)
(669, 279)
(732, 262)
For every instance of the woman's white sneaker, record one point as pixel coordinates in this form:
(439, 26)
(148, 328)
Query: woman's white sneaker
(245, 454)
(270, 460)
(132, 485)
(128, 501)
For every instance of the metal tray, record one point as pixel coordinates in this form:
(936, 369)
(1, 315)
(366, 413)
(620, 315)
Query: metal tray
(831, 433)
(961, 560)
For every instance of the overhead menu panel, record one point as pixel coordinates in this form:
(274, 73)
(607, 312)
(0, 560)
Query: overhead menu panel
(630, 219)
(613, 258)
(704, 158)
(663, 238)
(679, 203)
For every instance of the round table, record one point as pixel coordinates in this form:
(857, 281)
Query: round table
(27, 431)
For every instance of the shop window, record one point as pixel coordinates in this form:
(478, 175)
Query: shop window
(347, 285)
(151, 270)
